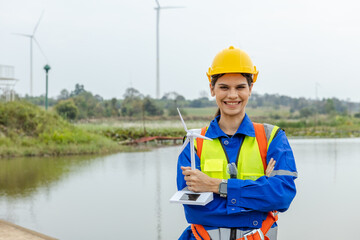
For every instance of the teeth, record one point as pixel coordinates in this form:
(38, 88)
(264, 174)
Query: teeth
(232, 103)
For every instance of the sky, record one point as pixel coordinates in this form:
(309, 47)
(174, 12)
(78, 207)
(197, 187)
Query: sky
(301, 48)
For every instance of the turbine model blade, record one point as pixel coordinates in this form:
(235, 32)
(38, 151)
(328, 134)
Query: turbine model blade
(200, 136)
(37, 43)
(182, 120)
(37, 25)
(184, 145)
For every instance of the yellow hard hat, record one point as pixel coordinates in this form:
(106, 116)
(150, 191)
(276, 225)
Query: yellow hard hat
(232, 60)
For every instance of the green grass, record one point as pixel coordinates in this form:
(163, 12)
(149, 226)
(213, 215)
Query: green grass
(27, 130)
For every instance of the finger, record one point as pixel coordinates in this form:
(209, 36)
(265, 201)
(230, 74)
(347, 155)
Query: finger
(272, 162)
(185, 168)
(270, 167)
(187, 178)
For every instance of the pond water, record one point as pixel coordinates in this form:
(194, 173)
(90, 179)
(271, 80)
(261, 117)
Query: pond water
(126, 195)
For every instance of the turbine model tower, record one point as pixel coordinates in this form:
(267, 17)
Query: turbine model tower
(32, 38)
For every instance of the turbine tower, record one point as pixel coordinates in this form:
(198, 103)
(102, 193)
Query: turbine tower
(32, 38)
(158, 8)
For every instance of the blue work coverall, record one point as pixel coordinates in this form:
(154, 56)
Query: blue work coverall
(248, 201)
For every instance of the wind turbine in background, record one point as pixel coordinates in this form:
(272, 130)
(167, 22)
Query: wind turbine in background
(32, 38)
(158, 8)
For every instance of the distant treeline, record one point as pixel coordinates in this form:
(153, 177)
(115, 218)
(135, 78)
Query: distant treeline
(306, 107)
(82, 104)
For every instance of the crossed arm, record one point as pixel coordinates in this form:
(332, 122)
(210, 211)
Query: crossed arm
(198, 181)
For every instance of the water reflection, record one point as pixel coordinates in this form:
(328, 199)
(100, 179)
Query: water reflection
(327, 190)
(22, 177)
(126, 195)
(158, 199)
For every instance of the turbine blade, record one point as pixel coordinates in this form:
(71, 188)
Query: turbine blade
(157, 2)
(42, 52)
(184, 145)
(200, 136)
(22, 34)
(170, 7)
(182, 120)
(37, 25)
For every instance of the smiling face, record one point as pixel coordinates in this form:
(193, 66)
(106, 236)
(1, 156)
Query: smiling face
(232, 93)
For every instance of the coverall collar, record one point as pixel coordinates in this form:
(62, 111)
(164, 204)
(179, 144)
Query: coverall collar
(246, 128)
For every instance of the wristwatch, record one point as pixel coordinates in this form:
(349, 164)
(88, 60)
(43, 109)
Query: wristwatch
(223, 188)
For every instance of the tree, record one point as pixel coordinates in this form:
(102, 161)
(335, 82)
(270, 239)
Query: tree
(78, 90)
(329, 106)
(132, 93)
(114, 107)
(64, 94)
(306, 112)
(173, 96)
(132, 104)
(196, 103)
(87, 105)
(150, 107)
(67, 109)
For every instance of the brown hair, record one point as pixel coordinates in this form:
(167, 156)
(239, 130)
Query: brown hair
(215, 77)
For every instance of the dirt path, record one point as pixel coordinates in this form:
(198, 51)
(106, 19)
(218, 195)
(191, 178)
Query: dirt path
(10, 231)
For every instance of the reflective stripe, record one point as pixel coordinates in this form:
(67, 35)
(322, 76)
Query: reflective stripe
(274, 132)
(283, 172)
(261, 235)
(214, 234)
(268, 129)
(224, 233)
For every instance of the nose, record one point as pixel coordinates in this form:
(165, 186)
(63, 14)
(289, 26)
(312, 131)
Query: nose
(232, 93)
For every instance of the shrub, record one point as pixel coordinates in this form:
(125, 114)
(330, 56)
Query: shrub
(67, 109)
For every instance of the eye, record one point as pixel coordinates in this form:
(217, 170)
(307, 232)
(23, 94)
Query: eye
(223, 87)
(241, 87)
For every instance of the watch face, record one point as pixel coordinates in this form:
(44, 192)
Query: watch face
(223, 188)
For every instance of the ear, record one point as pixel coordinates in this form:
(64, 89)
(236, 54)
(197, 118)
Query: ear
(250, 88)
(212, 90)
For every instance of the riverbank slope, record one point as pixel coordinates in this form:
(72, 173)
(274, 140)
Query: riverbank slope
(27, 130)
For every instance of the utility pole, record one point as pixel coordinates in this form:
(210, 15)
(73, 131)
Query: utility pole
(46, 68)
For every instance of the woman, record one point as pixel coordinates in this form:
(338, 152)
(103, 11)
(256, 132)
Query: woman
(232, 165)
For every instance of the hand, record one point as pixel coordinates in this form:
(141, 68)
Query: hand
(198, 181)
(270, 167)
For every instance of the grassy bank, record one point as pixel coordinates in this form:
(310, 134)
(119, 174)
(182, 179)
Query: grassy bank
(326, 126)
(129, 129)
(27, 130)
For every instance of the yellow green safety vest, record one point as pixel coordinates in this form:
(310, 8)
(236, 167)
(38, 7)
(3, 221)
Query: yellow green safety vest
(214, 161)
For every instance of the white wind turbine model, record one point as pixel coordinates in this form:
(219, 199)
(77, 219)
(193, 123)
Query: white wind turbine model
(32, 37)
(185, 196)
